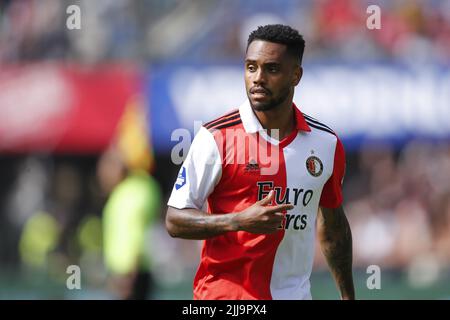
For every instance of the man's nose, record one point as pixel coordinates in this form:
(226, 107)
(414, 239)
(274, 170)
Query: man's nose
(259, 77)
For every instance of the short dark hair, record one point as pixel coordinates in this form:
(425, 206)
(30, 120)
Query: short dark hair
(282, 34)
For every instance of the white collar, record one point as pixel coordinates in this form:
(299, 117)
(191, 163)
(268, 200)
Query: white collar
(249, 119)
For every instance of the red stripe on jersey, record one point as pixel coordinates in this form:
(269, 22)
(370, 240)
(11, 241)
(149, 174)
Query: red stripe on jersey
(332, 191)
(238, 265)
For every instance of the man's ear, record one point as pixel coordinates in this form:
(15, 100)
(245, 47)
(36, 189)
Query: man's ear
(298, 73)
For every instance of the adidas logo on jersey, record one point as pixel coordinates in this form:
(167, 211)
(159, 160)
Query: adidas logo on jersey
(252, 166)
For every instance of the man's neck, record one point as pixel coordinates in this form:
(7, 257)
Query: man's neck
(281, 118)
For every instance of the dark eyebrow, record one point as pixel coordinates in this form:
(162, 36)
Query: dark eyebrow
(276, 63)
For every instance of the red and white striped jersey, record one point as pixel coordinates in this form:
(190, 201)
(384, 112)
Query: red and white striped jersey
(232, 163)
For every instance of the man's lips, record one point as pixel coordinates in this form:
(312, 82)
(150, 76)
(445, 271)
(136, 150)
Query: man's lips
(259, 91)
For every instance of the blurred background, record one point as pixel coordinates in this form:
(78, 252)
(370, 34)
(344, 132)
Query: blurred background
(87, 116)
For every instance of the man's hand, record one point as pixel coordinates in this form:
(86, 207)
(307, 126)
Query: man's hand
(261, 217)
(192, 223)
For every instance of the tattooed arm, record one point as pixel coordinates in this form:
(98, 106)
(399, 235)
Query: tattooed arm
(336, 242)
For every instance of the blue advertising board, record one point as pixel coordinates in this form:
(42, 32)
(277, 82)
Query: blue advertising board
(363, 103)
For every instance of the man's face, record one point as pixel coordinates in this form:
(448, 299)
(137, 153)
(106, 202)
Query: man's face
(270, 74)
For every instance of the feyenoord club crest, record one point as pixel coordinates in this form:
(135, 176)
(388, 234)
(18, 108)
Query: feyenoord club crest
(314, 166)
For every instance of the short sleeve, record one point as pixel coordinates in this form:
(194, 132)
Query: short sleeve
(332, 191)
(199, 174)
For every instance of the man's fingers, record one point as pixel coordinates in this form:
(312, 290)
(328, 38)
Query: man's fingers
(277, 213)
(267, 200)
(280, 208)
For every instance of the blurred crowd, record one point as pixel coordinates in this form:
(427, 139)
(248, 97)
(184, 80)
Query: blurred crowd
(398, 204)
(411, 30)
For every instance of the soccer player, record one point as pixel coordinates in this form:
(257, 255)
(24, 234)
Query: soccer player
(257, 210)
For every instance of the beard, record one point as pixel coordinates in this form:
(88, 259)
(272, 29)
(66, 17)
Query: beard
(272, 103)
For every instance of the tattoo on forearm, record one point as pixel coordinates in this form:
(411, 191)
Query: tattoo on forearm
(336, 240)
